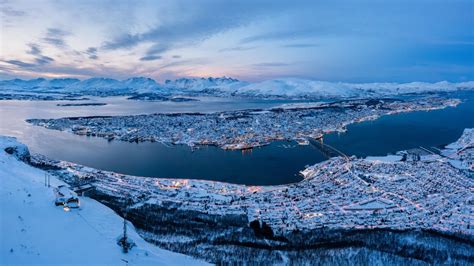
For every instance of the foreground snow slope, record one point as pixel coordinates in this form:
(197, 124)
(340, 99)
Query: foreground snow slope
(33, 230)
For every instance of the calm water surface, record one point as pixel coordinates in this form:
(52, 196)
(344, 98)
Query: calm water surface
(278, 163)
(393, 133)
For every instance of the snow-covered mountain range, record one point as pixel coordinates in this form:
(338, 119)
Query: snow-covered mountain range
(199, 84)
(88, 86)
(303, 88)
(226, 86)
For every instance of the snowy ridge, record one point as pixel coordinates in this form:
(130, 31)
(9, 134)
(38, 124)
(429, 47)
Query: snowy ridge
(297, 88)
(88, 86)
(302, 88)
(200, 84)
(226, 86)
(33, 230)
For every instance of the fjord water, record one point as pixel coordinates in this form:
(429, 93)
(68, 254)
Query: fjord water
(277, 163)
(393, 133)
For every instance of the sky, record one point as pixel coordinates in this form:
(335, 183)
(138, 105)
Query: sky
(351, 41)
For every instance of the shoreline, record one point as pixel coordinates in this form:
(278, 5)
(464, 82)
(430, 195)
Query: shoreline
(244, 127)
(338, 195)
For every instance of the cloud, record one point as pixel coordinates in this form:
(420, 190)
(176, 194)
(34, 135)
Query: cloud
(187, 63)
(8, 11)
(19, 63)
(153, 53)
(37, 52)
(38, 61)
(9, 15)
(55, 36)
(39, 58)
(150, 58)
(62, 70)
(34, 49)
(92, 53)
(157, 49)
(237, 48)
(271, 64)
(102, 71)
(238, 37)
(281, 35)
(43, 60)
(194, 24)
(123, 41)
(300, 45)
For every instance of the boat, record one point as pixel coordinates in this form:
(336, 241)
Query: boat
(302, 141)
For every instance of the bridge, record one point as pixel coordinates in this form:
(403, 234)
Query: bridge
(327, 150)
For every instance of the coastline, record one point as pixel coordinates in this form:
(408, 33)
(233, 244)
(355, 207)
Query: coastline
(239, 130)
(338, 197)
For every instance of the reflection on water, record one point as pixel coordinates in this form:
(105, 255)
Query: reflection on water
(393, 133)
(274, 164)
(277, 163)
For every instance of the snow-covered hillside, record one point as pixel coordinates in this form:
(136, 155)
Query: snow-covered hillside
(459, 151)
(298, 88)
(302, 88)
(34, 231)
(225, 86)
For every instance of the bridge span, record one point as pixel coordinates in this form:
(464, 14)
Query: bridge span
(327, 150)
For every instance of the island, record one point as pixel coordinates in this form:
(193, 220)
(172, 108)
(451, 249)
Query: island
(246, 129)
(80, 104)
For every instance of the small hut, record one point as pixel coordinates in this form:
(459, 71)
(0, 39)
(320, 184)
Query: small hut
(65, 197)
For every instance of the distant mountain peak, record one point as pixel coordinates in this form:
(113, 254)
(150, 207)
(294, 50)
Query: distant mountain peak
(227, 86)
(140, 79)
